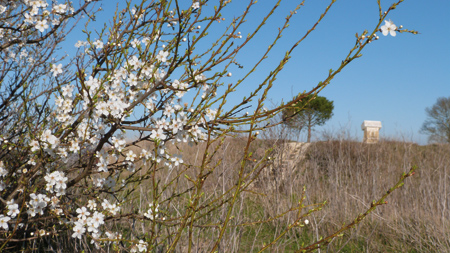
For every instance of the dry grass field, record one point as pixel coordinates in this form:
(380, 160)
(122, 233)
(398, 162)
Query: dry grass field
(345, 174)
(348, 175)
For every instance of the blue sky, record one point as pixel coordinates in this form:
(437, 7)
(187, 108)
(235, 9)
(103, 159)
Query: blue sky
(394, 81)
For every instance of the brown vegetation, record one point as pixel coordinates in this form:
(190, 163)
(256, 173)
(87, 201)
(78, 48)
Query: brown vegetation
(347, 175)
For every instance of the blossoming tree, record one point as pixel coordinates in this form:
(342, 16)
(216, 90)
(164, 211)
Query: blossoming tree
(86, 139)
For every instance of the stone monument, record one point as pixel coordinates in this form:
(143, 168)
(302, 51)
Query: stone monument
(371, 131)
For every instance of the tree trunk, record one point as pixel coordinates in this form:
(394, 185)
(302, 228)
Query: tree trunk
(309, 134)
(309, 128)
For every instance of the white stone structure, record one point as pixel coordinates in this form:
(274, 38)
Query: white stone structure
(371, 131)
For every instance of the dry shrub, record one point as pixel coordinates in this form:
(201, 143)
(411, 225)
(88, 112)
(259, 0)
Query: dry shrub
(350, 175)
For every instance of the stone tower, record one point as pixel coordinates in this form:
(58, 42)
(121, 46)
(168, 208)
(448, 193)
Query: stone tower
(371, 131)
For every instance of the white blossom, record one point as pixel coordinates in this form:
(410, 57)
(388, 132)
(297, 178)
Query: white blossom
(60, 8)
(162, 56)
(142, 246)
(152, 212)
(92, 204)
(130, 156)
(389, 27)
(176, 159)
(13, 209)
(4, 221)
(83, 213)
(196, 5)
(211, 114)
(3, 171)
(41, 25)
(57, 69)
(2, 9)
(78, 231)
(98, 44)
(37, 204)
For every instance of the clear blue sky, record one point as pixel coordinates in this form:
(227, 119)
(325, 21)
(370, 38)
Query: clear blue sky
(394, 81)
